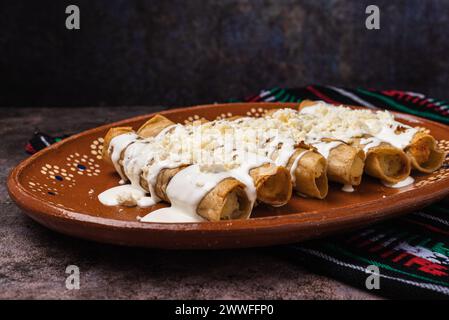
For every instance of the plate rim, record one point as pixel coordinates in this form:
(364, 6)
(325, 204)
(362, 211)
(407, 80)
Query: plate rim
(35, 207)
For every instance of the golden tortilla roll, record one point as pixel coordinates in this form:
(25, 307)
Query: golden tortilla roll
(149, 129)
(154, 126)
(111, 134)
(310, 174)
(345, 165)
(227, 201)
(424, 153)
(273, 184)
(386, 162)
(163, 179)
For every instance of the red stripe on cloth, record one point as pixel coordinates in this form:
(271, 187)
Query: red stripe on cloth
(394, 93)
(423, 102)
(29, 148)
(438, 109)
(251, 98)
(386, 254)
(255, 99)
(321, 95)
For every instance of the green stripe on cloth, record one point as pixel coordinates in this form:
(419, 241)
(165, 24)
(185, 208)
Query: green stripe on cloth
(403, 108)
(279, 94)
(286, 98)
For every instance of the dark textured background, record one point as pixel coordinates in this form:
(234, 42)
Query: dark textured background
(185, 52)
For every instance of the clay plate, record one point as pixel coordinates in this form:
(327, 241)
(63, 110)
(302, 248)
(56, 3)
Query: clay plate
(58, 188)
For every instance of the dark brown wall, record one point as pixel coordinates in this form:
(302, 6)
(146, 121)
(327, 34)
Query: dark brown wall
(185, 52)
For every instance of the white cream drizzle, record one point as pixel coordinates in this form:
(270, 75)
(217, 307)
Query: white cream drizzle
(191, 185)
(164, 131)
(118, 144)
(185, 191)
(401, 140)
(345, 124)
(295, 165)
(116, 195)
(171, 215)
(324, 148)
(369, 143)
(285, 153)
(348, 188)
(401, 184)
(136, 156)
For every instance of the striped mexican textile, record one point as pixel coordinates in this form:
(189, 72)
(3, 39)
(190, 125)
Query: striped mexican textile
(411, 252)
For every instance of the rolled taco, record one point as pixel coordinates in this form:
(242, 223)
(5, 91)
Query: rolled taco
(150, 128)
(226, 200)
(116, 141)
(111, 134)
(154, 126)
(163, 178)
(424, 153)
(273, 184)
(308, 169)
(345, 164)
(384, 161)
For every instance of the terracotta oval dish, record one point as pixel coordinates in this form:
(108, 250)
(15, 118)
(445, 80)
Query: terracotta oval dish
(58, 187)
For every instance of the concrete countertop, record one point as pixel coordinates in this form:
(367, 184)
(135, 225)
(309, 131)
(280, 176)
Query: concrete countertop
(33, 259)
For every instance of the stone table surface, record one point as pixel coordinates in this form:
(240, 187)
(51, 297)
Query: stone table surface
(33, 259)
